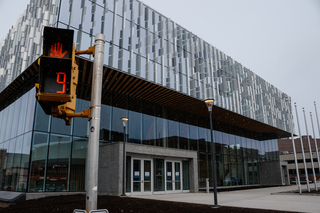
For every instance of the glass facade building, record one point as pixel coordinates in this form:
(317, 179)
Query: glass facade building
(39, 153)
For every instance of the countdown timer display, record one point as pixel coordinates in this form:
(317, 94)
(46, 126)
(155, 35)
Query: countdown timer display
(56, 75)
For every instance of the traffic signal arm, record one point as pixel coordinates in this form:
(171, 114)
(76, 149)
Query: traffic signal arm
(60, 113)
(89, 51)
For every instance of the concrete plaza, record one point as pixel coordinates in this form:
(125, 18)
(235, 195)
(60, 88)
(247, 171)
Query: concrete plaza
(262, 198)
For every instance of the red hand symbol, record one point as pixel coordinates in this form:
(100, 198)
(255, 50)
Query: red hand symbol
(56, 50)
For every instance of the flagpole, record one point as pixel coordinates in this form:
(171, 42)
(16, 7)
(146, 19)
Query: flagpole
(310, 152)
(302, 150)
(294, 148)
(315, 143)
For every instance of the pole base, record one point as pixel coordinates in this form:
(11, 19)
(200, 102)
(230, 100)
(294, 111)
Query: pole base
(215, 206)
(123, 195)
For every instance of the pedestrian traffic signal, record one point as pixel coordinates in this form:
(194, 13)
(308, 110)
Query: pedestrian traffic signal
(57, 43)
(58, 74)
(55, 74)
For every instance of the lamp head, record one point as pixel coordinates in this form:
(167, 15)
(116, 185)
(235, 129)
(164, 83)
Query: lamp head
(209, 103)
(124, 121)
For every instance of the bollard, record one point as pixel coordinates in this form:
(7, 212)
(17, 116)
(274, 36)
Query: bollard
(207, 185)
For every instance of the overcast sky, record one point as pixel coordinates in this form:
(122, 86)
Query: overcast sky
(279, 40)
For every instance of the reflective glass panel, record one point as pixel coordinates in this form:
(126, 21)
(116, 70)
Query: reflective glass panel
(42, 121)
(78, 164)
(169, 175)
(38, 162)
(81, 125)
(58, 163)
(105, 124)
(147, 175)
(185, 175)
(24, 163)
(30, 110)
(15, 118)
(136, 175)
(9, 166)
(58, 125)
(158, 174)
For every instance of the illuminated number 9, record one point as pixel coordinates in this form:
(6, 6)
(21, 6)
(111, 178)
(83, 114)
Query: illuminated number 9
(62, 82)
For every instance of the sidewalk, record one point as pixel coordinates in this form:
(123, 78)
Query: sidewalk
(254, 198)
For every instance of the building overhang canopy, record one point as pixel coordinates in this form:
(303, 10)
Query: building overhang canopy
(127, 84)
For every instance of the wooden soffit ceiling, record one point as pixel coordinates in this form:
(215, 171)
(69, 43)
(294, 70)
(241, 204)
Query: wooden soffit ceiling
(129, 85)
(126, 84)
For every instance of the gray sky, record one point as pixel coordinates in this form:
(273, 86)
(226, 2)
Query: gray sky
(277, 39)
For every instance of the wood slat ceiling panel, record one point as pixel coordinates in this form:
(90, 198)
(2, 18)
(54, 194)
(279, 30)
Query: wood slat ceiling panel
(127, 84)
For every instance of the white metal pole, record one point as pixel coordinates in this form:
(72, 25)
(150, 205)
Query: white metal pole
(310, 152)
(93, 145)
(294, 151)
(315, 142)
(302, 150)
(315, 108)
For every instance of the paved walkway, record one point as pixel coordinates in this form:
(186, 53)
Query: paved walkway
(263, 198)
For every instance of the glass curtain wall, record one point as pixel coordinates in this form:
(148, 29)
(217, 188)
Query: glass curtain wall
(15, 141)
(144, 43)
(58, 154)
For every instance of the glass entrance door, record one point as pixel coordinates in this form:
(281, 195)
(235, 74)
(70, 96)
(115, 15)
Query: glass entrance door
(141, 176)
(173, 176)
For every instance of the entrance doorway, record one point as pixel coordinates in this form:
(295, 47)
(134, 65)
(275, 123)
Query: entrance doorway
(156, 176)
(141, 176)
(173, 176)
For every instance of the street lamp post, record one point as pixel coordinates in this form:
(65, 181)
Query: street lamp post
(124, 121)
(209, 103)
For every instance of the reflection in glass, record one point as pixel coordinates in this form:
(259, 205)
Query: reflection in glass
(42, 121)
(58, 163)
(4, 127)
(24, 163)
(30, 110)
(16, 163)
(15, 118)
(246, 171)
(117, 126)
(59, 126)
(38, 162)
(169, 175)
(128, 174)
(136, 175)
(177, 176)
(78, 164)
(134, 126)
(81, 125)
(161, 135)
(184, 136)
(203, 170)
(147, 175)
(148, 129)
(9, 165)
(185, 175)
(173, 135)
(203, 139)
(8, 122)
(233, 168)
(227, 171)
(193, 138)
(158, 174)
